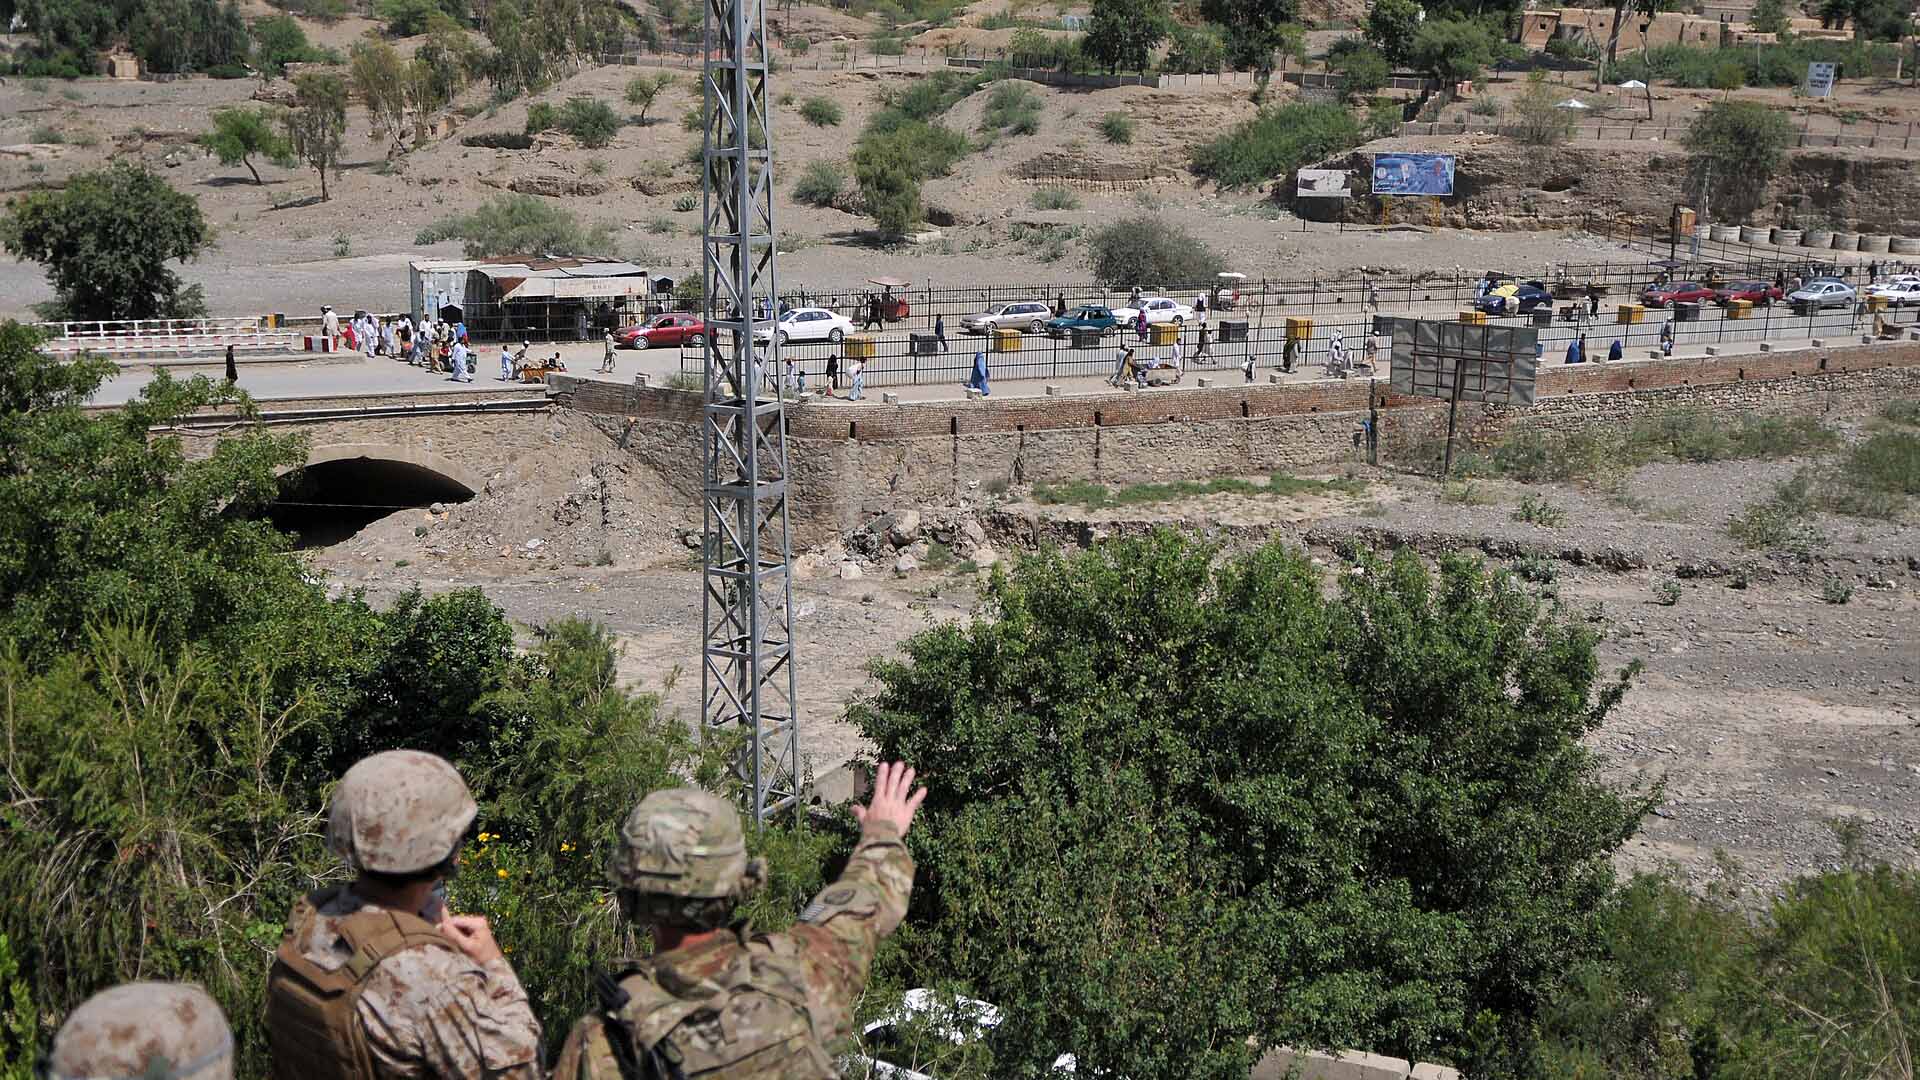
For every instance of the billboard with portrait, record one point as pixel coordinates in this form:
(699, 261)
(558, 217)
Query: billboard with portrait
(1413, 174)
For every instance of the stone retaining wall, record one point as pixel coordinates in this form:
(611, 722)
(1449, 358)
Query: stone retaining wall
(850, 461)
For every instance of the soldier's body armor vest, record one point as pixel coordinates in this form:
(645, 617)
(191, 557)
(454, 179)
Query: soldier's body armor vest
(748, 1021)
(313, 1025)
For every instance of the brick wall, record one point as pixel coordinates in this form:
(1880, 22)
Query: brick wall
(852, 460)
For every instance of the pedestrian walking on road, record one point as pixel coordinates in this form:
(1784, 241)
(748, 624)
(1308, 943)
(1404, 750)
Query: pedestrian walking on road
(1060, 306)
(978, 380)
(940, 331)
(506, 363)
(833, 373)
(1140, 324)
(1593, 299)
(1615, 352)
(330, 325)
(606, 355)
(859, 380)
(1666, 338)
(1202, 349)
(1337, 354)
(1289, 354)
(233, 373)
(1577, 350)
(461, 373)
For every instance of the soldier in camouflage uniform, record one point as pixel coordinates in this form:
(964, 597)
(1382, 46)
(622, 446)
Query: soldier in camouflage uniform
(376, 979)
(143, 1031)
(717, 1000)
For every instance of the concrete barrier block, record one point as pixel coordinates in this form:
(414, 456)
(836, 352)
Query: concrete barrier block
(1713, 350)
(973, 393)
(640, 381)
(1282, 1062)
(1819, 343)
(1204, 383)
(1866, 339)
(1052, 390)
(1427, 1070)
(1655, 354)
(889, 399)
(1274, 378)
(1766, 346)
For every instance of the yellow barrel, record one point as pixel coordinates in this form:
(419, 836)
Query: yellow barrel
(1632, 313)
(1739, 309)
(1005, 340)
(1164, 333)
(1474, 318)
(865, 346)
(1876, 303)
(1299, 328)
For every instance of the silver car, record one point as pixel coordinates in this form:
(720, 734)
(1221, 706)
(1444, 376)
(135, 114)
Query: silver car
(1030, 317)
(1822, 293)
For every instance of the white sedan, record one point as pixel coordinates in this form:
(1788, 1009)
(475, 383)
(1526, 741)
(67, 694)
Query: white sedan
(809, 324)
(1159, 310)
(1899, 291)
(1029, 316)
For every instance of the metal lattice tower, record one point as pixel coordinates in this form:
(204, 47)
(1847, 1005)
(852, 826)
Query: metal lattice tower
(746, 675)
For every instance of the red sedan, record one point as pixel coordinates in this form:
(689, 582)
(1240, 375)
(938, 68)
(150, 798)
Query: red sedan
(1760, 293)
(673, 328)
(1679, 292)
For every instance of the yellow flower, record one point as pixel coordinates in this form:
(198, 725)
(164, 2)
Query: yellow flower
(501, 873)
(484, 837)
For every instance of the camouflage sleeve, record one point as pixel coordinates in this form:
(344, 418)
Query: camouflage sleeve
(432, 1012)
(586, 1054)
(839, 931)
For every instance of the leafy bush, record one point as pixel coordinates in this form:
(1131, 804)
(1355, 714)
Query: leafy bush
(687, 203)
(1836, 591)
(1764, 65)
(1012, 106)
(1779, 521)
(1679, 435)
(1362, 71)
(1484, 106)
(498, 140)
(1364, 850)
(1117, 127)
(821, 111)
(1666, 593)
(644, 90)
(1147, 251)
(1195, 50)
(511, 224)
(1541, 121)
(405, 18)
(1741, 143)
(1454, 50)
(1275, 142)
(590, 120)
(819, 184)
(229, 71)
(1054, 198)
(1534, 510)
(889, 178)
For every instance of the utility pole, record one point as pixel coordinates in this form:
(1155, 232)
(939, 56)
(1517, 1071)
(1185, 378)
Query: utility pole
(746, 673)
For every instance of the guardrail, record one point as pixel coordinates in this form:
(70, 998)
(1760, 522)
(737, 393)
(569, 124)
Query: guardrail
(897, 363)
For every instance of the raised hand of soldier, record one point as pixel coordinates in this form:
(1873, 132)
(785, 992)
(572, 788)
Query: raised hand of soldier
(894, 797)
(473, 935)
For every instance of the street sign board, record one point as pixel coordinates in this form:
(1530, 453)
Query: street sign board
(1321, 184)
(1487, 363)
(1820, 79)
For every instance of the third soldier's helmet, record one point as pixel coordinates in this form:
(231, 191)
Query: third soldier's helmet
(399, 812)
(682, 860)
(144, 1031)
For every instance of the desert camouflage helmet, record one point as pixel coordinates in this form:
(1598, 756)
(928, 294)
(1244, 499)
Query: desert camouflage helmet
(399, 812)
(144, 1031)
(682, 842)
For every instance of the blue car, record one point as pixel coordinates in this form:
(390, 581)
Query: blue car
(1511, 299)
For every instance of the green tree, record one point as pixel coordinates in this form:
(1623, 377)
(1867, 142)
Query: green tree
(317, 123)
(382, 80)
(889, 179)
(278, 41)
(1259, 34)
(187, 35)
(1147, 251)
(1453, 50)
(405, 18)
(1729, 76)
(1735, 146)
(105, 240)
(1124, 33)
(239, 134)
(644, 90)
(1196, 49)
(536, 43)
(1769, 17)
(1362, 71)
(1391, 27)
(1189, 802)
(1541, 120)
(1642, 9)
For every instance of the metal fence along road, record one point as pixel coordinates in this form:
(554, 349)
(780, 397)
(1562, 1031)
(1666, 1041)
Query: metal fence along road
(897, 363)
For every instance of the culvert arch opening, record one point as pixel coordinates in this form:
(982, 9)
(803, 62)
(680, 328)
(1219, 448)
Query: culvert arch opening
(338, 493)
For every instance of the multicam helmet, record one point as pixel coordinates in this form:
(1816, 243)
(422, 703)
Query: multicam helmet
(399, 812)
(144, 1031)
(686, 843)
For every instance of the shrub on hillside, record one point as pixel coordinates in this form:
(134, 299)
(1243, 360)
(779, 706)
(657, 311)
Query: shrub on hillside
(1149, 252)
(590, 120)
(1275, 142)
(820, 111)
(1117, 128)
(512, 224)
(819, 184)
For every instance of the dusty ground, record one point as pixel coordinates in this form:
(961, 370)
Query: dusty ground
(1765, 710)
